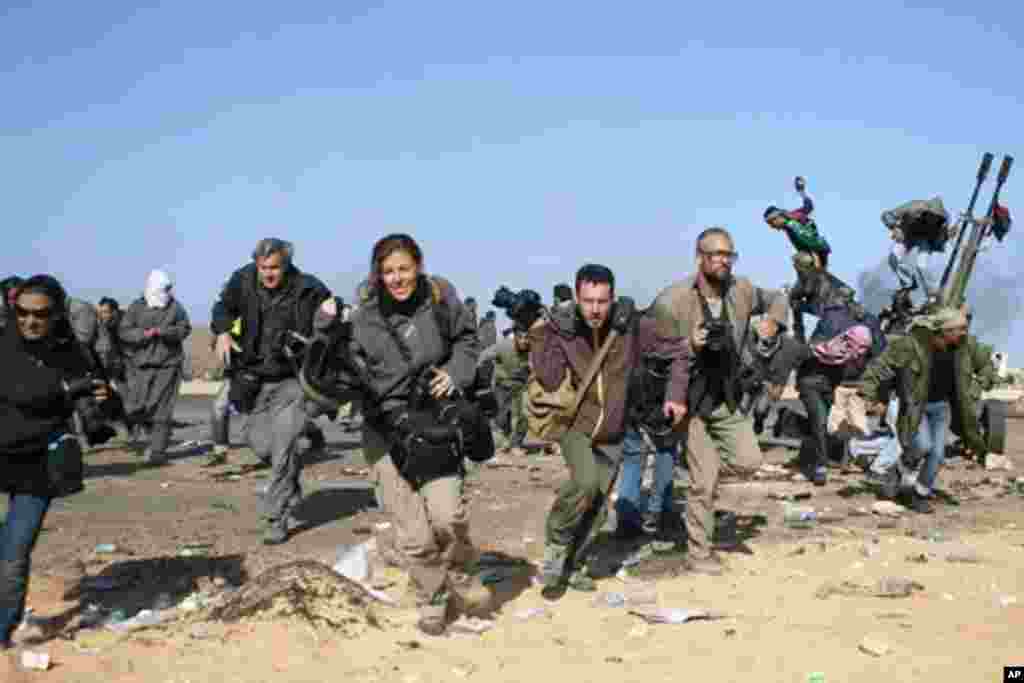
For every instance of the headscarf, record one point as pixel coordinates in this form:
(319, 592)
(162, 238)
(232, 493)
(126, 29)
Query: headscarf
(945, 318)
(850, 347)
(158, 289)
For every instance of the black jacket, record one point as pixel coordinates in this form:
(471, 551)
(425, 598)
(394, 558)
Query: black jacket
(240, 298)
(33, 406)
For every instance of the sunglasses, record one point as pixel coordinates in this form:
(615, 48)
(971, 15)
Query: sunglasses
(731, 256)
(37, 313)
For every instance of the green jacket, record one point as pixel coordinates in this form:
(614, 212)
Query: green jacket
(904, 367)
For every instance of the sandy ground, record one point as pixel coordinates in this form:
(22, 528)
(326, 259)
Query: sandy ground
(777, 618)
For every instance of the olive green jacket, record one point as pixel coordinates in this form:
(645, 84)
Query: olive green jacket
(904, 367)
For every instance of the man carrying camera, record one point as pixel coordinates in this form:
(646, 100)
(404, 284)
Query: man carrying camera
(712, 309)
(596, 344)
(511, 370)
(273, 298)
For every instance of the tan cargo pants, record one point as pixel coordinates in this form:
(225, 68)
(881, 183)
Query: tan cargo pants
(724, 435)
(431, 526)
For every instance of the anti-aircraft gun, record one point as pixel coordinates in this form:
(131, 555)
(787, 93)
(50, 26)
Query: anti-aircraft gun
(955, 279)
(896, 317)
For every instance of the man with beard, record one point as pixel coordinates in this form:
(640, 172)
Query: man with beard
(712, 309)
(579, 342)
(938, 372)
(273, 298)
(152, 333)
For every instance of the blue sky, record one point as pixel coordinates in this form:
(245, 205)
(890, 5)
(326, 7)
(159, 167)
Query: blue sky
(514, 142)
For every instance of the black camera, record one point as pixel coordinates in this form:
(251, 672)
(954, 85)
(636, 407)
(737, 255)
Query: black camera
(718, 335)
(523, 307)
(648, 384)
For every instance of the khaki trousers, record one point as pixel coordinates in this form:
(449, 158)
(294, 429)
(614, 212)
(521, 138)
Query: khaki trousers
(724, 435)
(431, 526)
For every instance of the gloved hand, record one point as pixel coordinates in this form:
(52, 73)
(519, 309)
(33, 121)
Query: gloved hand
(623, 313)
(800, 183)
(81, 387)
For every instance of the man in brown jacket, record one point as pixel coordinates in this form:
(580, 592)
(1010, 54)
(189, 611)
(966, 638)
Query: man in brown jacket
(712, 309)
(592, 445)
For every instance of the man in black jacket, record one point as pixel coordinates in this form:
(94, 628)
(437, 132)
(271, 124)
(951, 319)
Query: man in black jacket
(273, 298)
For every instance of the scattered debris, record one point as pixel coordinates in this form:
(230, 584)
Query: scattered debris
(920, 558)
(895, 614)
(874, 647)
(35, 661)
(887, 508)
(532, 613)
(1006, 600)
(963, 555)
(471, 625)
(195, 550)
(995, 462)
(896, 587)
(673, 615)
(307, 590)
(353, 562)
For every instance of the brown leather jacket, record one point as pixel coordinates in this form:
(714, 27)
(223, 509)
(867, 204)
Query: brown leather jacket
(567, 342)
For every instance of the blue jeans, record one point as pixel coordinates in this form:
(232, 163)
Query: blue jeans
(18, 536)
(930, 439)
(629, 504)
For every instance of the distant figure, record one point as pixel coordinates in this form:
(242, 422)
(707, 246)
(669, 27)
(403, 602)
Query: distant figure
(153, 331)
(488, 330)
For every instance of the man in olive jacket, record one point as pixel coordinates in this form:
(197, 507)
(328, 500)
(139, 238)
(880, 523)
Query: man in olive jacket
(712, 309)
(935, 364)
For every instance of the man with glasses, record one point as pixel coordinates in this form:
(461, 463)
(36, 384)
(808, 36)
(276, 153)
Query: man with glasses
(712, 309)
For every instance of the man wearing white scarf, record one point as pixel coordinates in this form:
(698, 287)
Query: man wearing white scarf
(152, 331)
(158, 289)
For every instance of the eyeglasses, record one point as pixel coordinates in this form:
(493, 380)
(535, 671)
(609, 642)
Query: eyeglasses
(731, 256)
(37, 313)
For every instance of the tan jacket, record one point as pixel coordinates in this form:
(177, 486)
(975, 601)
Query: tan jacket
(677, 310)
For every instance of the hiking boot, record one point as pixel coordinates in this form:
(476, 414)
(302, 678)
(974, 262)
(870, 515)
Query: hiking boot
(582, 581)
(919, 504)
(651, 523)
(888, 483)
(155, 458)
(317, 440)
(553, 571)
(433, 619)
(218, 456)
(820, 476)
(709, 566)
(276, 532)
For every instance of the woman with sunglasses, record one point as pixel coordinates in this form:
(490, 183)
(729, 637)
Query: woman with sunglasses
(45, 370)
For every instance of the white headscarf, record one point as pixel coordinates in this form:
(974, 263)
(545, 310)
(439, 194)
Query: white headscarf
(158, 289)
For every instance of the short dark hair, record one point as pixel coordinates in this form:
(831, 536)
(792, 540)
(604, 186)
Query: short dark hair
(107, 301)
(711, 232)
(595, 274)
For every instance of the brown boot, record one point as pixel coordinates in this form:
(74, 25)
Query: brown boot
(433, 620)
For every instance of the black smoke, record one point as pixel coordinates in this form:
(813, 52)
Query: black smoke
(993, 293)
